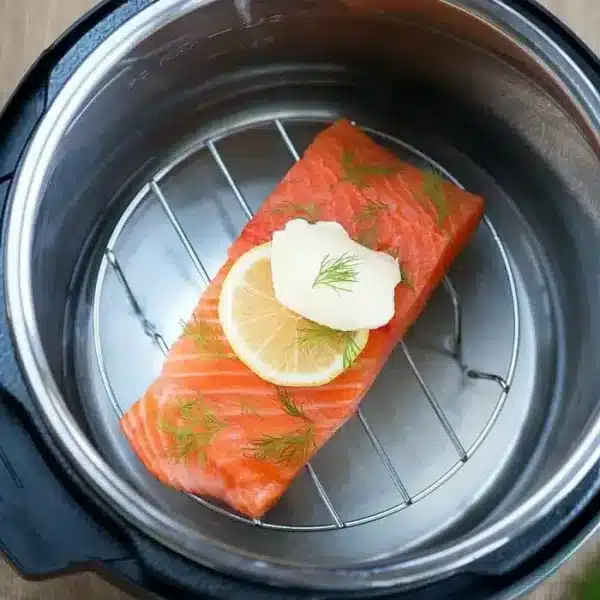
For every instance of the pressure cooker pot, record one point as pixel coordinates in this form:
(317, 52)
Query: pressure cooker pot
(154, 137)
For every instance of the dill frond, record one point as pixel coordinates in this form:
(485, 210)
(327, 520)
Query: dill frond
(338, 273)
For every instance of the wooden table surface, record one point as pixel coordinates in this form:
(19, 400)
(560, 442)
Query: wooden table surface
(26, 27)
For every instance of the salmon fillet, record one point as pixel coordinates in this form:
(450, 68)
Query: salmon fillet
(208, 425)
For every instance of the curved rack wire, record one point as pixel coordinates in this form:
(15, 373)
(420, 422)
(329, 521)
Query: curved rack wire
(463, 454)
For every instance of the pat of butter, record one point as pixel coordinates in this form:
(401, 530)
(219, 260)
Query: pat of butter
(325, 276)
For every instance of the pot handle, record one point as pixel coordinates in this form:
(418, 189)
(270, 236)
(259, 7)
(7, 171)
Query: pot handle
(44, 529)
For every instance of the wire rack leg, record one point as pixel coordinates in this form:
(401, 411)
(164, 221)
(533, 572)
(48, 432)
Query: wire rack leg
(148, 327)
(457, 341)
(456, 349)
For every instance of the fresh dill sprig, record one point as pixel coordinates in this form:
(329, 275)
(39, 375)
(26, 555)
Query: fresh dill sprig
(338, 273)
(351, 350)
(371, 209)
(404, 278)
(312, 335)
(207, 337)
(367, 218)
(433, 188)
(356, 173)
(288, 404)
(309, 337)
(200, 426)
(294, 447)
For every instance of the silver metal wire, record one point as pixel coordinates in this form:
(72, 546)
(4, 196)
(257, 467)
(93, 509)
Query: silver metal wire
(337, 522)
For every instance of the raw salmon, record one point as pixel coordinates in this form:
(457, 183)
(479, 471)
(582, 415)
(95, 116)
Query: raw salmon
(208, 425)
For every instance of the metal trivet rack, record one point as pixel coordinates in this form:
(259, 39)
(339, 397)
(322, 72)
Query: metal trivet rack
(463, 454)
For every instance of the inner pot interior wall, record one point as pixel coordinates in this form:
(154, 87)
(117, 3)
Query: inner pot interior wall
(405, 77)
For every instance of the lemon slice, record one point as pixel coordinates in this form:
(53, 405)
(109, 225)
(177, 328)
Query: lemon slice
(277, 344)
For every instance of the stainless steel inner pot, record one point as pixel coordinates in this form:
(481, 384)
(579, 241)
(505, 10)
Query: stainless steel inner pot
(166, 140)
